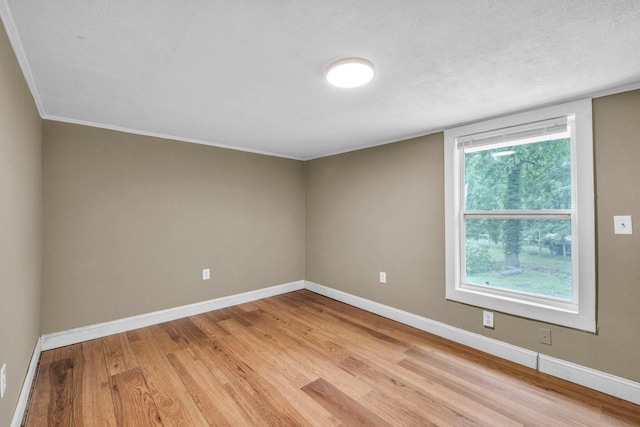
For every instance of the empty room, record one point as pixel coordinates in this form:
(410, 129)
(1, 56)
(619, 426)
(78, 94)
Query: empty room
(326, 213)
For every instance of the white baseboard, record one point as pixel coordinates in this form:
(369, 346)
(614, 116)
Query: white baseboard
(23, 400)
(597, 380)
(86, 333)
(488, 345)
(591, 378)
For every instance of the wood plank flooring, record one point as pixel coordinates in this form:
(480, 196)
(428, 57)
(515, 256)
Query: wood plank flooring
(301, 359)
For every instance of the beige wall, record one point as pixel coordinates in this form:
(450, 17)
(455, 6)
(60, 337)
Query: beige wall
(20, 225)
(382, 209)
(131, 221)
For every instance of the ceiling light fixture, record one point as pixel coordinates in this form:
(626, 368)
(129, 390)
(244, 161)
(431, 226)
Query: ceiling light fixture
(350, 72)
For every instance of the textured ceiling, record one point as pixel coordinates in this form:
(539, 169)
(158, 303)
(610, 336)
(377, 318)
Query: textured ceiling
(250, 74)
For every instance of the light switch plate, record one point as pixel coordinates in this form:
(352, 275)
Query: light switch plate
(622, 224)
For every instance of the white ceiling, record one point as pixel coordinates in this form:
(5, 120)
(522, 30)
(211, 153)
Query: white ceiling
(250, 74)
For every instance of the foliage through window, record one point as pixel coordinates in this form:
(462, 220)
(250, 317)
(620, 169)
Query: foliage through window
(513, 193)
(523, 252)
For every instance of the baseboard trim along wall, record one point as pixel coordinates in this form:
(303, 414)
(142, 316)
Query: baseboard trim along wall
(23, 400)
(91, 332)
(597, 380)
(86, 333)
(488, 345)
(594, 379)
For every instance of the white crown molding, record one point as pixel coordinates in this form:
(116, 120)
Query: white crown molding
(18, 49)
(29, 379)
(90, 332)
(426, 132)
(163, 136)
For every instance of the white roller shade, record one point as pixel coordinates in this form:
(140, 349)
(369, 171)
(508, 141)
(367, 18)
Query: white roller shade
(523, 134)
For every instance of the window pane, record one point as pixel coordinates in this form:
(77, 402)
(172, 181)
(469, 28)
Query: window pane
(522, 176)
(532, 256)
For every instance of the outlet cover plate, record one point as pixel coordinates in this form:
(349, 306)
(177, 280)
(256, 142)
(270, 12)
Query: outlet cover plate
(487, 319)
(622, 224)
(206, 274)
(545, 336)
(383, 277)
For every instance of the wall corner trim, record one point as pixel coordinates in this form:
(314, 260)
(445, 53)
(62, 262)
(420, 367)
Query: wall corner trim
(29, 379)
(591, 378)
(90, 332)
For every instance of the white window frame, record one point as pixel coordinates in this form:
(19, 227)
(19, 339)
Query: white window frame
(581, 312)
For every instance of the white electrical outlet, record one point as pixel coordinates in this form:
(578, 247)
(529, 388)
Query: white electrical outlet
(487, 319)
(383, 277)
(206, 274)
(3, 380)
(622, 224)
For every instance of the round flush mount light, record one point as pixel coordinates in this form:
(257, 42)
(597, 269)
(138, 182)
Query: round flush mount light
(350, 72)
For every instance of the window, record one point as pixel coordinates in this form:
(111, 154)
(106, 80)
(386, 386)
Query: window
(520, 215)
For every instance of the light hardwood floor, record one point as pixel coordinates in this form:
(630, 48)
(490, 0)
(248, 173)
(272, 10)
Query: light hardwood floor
(301, 359)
